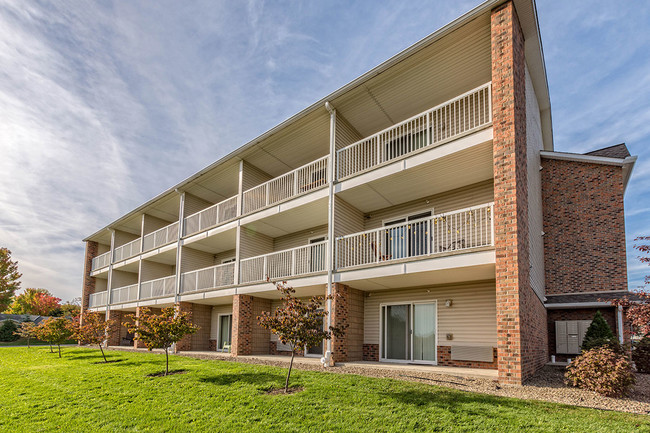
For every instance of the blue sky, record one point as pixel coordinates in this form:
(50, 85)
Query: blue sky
(103, 105)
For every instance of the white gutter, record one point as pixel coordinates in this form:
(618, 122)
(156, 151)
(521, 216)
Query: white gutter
(577, 305)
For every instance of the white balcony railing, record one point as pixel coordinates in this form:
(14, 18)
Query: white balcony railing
(213, 277)
(463, 114)
(101, 261)
(443, 233)
(296, 182)
(210, 217)
(124, 294)
(97, 299)
(160, 237)
(157, 288)
(127, 250)
(283, 264)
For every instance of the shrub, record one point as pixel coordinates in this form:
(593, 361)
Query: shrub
(601, 370)
(641, 355)
(599, 334)
(8, 331)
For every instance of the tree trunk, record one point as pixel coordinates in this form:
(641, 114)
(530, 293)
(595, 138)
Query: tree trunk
(51, 350)
(103, 354)
(59, 350)
(167, 361)
(286, 383)
(28, 346)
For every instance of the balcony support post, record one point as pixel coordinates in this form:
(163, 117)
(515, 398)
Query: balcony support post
(330, 224)
(181, 215)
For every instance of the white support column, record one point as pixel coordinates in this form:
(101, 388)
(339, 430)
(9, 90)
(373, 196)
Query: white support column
(330, 221)
(140, 259)
(181, 217)
(240, 211)
(109, 281)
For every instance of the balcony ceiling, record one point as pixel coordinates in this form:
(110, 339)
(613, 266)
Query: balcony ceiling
(303, 217)
(217, 243)
(167, 257)
(454, 171)
(218, 184)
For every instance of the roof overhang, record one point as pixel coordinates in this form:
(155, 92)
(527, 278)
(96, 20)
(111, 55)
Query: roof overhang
(527, 12)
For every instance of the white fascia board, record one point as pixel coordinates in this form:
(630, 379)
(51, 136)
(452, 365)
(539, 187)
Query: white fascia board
(577, 305)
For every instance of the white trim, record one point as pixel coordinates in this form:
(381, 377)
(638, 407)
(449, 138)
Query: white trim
(219, 315)
(381, 331)
(577, 305)
(594, 159)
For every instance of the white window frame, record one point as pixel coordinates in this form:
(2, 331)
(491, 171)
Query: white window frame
(219, 315)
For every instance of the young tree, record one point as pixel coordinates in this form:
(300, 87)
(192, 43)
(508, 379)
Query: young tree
(27, 330)
(298, 323)
(39, 302)
(93, 330)
(8, 331)
(56, 330)
(71, 308)
(160, 331)
(598, 334)
(9, 276)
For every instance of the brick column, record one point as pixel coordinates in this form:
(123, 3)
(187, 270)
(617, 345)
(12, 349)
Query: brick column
(242, 325)
(115, 331)
(88, 281)
(521, 316)
(347, 309)
(186, 342)
(137, 344)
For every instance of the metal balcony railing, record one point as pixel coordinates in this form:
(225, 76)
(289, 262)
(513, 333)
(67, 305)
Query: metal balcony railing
(214, 277)
(210, 217)
(284, 264)
(97, 299)
(101, 261)
(160, 237)
(165, 286)
(127, 250)
(124, 294)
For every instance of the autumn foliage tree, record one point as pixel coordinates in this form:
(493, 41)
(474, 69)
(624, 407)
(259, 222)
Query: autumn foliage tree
(298, 323)
(160, 331)
(27, 330)
(92, 329)
(39, 302)
(56, 330)
(9, 277)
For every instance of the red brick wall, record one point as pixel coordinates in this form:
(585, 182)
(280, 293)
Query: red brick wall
(371, 352)
(584, 226)
(115, 333)
(578, 314)
(248, 338)
(88, 281)
(201, 315)
(347, 308)
(521, 339)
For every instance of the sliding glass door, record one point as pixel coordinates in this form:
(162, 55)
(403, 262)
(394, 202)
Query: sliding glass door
(225, 331)
(408, 332)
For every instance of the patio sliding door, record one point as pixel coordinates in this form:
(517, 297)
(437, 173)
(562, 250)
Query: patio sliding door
(408, 332)
(225, 331)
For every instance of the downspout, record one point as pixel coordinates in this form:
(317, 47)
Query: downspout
(619, 316)
(330, 227)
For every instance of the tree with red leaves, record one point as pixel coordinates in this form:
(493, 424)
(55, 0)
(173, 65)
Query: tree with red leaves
(92, 329)
(160, 331)
(55, 330)
(298, 323)
(39, 302)
(638, 311)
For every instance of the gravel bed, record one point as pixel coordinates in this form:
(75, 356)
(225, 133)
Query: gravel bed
(546, 385)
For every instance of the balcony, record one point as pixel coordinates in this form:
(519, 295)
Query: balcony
(160, 237)
(124, 294)
(213, 216)
(293, 262)
(442, 234)
(158, 288)
(101, 261)
(214, 277)
(452, 119)
(97, 299)
(128, 250)
(299, 181)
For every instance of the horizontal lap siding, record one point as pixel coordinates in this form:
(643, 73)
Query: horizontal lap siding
(151, 224)
(345, 133)
(254, 244)
(103, 248)
(153, 270)
(347, 218)
(471, 318)
(121, 279)
(253, 176)
(298, 239)
(472, 195)
(192, 259)
(218, 258)
(122, 238)
(193, 204)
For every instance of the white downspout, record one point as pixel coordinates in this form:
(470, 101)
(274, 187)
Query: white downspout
(619, 315)
(330, 227)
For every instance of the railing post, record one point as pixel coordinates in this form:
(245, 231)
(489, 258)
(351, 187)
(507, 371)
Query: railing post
(264, 268)
(377, 246)
(295, 184)
(378, 150)
(491, 208)
(293, 262)
(267, 188)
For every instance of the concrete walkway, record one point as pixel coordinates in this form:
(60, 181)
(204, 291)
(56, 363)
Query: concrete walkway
(313, 363)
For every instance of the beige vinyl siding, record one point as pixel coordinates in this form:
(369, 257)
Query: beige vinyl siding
(253, 176)
(193, 204)
(100, 284)
(153, 270)
(192, 260)
(122, 238)
(535, 217)
(152, 223)
(103, 248)
(472, 195)
(122, 278)
(345, 133)
(252, 244)
(347, 218)
(471, 318)
(298, 239)
(218, 258)
(216, 311)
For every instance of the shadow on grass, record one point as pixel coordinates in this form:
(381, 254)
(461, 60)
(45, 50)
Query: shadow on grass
(258, 379)
(110, 361)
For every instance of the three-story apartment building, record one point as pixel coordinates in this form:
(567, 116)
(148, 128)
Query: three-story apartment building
(426, 195)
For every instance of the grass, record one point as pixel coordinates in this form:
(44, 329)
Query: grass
(40, 392)
(32, 342)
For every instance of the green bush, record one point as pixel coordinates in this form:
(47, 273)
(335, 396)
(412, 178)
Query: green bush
(8, 331)
(599, 334)
(601, 370)
(641, 355)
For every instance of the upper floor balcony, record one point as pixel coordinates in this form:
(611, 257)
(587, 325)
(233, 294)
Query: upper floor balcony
(159, 238)
(98, 299)
(212, 216)
(101, 261)
(212, 277)
(450, 120)
(128, 250)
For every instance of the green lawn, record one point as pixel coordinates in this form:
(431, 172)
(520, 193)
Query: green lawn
(40, 392)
